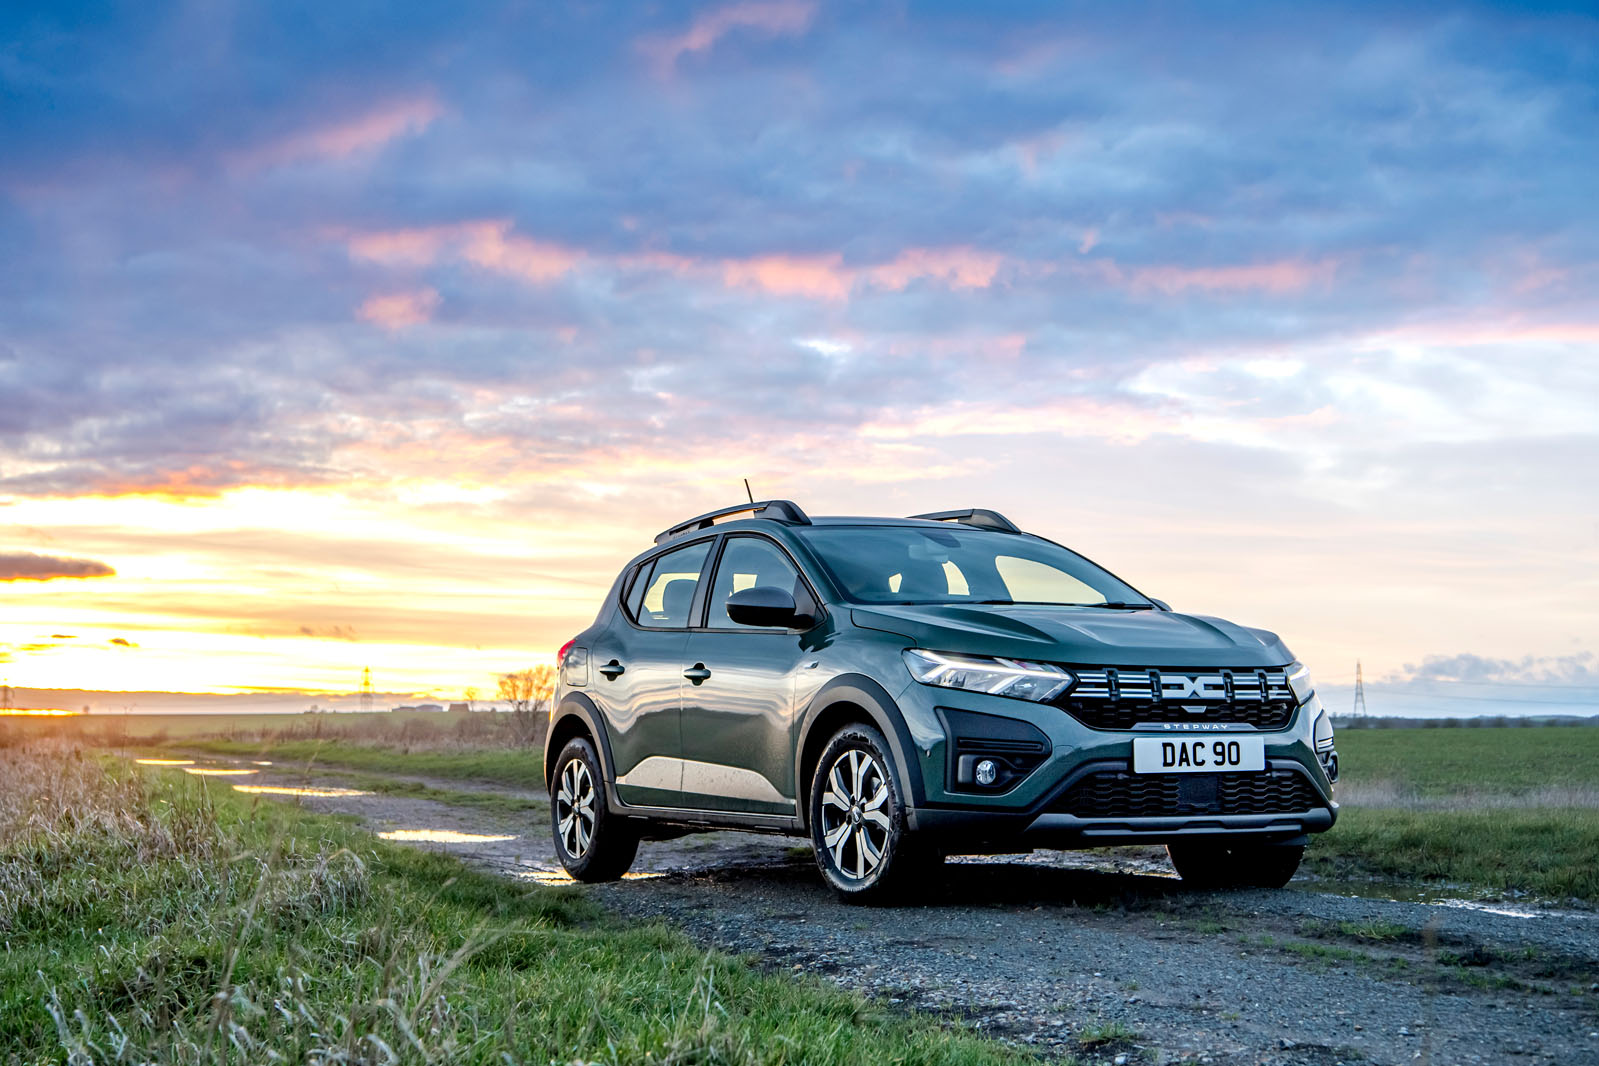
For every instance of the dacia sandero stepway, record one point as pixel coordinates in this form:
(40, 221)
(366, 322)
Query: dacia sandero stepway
(902, 689)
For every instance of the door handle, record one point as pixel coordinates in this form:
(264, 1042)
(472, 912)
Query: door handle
(612, 669)
(697, 673)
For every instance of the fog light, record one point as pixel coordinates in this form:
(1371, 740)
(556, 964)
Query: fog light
(987, 772)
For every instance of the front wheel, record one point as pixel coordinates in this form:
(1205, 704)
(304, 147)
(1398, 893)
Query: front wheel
(857, 819)
(592, 843)
(1211, 864)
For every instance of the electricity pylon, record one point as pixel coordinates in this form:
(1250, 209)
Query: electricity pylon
(1359, 710)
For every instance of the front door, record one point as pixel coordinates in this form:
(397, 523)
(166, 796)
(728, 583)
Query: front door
(738, 703)
(637, 671)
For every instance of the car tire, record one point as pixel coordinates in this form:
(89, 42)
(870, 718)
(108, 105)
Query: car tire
(864, 849)
(1208, 864)
(591, 842)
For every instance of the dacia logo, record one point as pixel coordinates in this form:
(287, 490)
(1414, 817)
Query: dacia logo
(1193, 687)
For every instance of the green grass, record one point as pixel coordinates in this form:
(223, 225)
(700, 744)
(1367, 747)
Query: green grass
(153, 918)
(1440, 763)
(521, 768)
(1549, 852)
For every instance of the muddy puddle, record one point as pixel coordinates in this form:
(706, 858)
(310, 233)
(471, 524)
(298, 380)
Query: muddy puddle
(312, 792)
(1443, 895)
(443, 836)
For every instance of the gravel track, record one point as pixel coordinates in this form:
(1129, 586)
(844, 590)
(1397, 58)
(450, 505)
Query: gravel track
(1100, 955)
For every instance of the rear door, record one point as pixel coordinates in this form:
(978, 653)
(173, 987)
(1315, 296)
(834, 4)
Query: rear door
(638, 676)
(738, 719)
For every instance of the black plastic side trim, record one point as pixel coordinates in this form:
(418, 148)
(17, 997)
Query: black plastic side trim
(578, 705)
(862, 691)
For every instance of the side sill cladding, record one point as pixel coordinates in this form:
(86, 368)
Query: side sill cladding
(861, 691)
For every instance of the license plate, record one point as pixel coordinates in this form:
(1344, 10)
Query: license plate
(1158, 755)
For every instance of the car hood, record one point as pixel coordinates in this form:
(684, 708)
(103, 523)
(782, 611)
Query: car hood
(1088, 635)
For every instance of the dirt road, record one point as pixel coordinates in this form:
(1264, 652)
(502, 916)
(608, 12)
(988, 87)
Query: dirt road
(1095, 956)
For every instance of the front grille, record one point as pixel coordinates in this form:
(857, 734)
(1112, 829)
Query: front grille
(1118, 794)
(1127, 697)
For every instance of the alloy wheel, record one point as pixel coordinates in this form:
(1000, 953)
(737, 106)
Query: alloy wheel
(574, 808)
(855, 828)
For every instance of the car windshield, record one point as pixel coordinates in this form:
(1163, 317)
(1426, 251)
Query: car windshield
(907, 564)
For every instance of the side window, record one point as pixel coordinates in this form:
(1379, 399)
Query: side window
(669, 587)
(635, 592)
(1030, 581)
(746, 563)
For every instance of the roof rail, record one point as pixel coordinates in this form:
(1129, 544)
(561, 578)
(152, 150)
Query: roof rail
(780, 510)
(974, 516)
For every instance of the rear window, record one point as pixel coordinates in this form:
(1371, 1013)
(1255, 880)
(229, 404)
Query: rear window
(663, 592)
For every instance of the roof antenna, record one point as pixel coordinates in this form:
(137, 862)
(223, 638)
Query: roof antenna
(747, 491)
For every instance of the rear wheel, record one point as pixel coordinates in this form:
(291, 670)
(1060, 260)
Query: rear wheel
(1219, 864)
(857, 820)
(592, 843)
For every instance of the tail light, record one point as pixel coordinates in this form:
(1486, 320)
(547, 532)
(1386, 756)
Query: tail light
(560, 656)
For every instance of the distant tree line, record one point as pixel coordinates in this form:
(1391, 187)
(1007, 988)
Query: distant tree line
(1494, 721)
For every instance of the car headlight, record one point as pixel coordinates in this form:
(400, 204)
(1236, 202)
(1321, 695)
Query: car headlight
(1015, 678)
(1299, 682)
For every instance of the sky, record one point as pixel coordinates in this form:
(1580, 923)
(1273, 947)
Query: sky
(337, 336)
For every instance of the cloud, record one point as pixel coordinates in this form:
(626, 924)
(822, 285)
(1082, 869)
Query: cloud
(26, 566)
(1285, 276)
(1580, 669)
(400, 309)
(123, 642)
(769, 18)
(343, 138)
(489, 244)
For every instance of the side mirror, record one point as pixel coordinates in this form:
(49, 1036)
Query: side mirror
(1162, 604)
(763, 605)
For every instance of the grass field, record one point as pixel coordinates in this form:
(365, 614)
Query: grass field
(1501, 809)
(1467, 765)
(1511, 810)
(147, 919)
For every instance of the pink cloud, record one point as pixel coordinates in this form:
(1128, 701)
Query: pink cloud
(487, 244)
(342, 139)
(400, 310)
(825, 277)
(771, 18)
(959, 268)
(406, 247)
(818, 277)
(1289, 275)
(491, 245)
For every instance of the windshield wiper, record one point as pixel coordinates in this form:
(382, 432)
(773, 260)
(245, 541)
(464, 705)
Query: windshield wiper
(1118, 605)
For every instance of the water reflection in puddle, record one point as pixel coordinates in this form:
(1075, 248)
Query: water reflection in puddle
(164, 762)
(558, 877)
(287, 790)
(1434, 895)
(213, 771)
(258, 762)
(442, 836)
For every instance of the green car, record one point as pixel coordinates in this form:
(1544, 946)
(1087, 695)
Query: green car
(903, 689)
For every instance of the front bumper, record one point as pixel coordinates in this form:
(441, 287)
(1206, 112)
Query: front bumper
(1040, 809)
